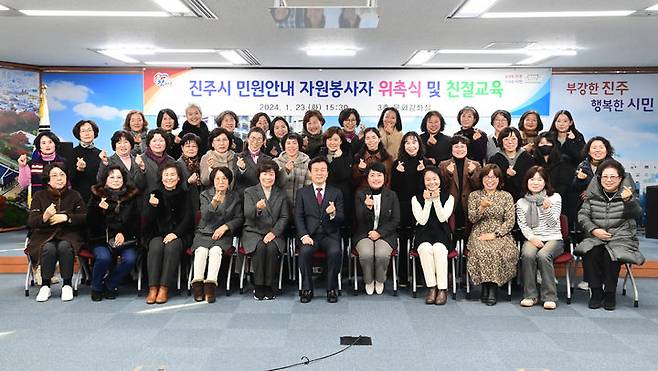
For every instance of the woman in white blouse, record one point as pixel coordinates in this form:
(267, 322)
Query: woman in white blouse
(433, 237)
(538, 216)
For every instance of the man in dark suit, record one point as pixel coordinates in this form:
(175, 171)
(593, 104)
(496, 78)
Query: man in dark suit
(318, 217)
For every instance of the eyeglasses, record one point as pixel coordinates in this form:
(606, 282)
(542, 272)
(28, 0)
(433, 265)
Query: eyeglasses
(609, 177)
(86, 130)
(492, 176)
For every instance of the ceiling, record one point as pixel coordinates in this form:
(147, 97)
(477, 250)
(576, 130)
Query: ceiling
(404, 26)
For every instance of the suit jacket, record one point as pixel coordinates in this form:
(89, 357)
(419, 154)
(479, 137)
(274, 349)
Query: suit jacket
(274, 218)
(389, 217)
(311, 218)
(249, 177)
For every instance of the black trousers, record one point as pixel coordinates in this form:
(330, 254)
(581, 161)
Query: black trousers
(52, 252)
(264, 262)
(600, 269)
(162, 261)
(331, 247)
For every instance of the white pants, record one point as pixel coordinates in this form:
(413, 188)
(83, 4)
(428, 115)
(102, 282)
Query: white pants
(434, 260)
(214, 258)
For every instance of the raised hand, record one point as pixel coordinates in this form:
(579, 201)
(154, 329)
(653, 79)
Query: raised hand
(80, 164)
(193, 179)
(305, 142)
(210, 161)
(362, 164)
(485, 202)
(627, 193)
(369, 202)
(339, 152)
(451, 168)
(103, 157)
(571, 135)
(510, 171)
(261, 204)
(240, 163)
(49, 212)
(432, 140)
(547, 203)
(290, 165)
(477, 134)
(153, 200)
(580, 174)
(177, 139)
(471, 167)
(331, 208)
(421, 166)
(140, 162)
(22, 160)
(103, 204)
(400, 167)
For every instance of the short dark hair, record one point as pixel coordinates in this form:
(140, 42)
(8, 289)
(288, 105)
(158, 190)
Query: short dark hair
(334, 130)
(228, 174)
(459, 139)
(78, 125)
(398, 119)
(506, 133)
(220, 118)
(312, 113)
(257, 116)
(170, 165)
(293, 136)
(106, 173)
(48, 134)
(345, 114)
(503, 113)
(486, 169)
(274, 120)
(428, 115)
(258, 130)
(268, 165)
(544, 174)
(190, 137)
(540, 125)
(217, 132)
(170, 113)
(611, 163)
(476, 115)
(163, 134)
(555, 154)
(608, 147)
(116, 137)
(316, 160)
(126, 122)
(378, 167)
(45, 175)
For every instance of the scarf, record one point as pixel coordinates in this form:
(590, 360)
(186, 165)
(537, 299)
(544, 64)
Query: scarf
(221, 159)
(157, 159)
(330, 156)
(532, 215)
(349, 137)
(47, 158)
(192, 164)
(115, 195)
(87, 145)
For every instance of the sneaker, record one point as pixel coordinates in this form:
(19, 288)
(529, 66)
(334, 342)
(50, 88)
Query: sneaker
(379, 288)
(550, 305)
(370, 288)
(67, 293)
(528, 302)
(583, 285)
(44, 294)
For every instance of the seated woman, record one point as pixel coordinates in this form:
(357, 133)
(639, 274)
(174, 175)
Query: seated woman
(293, 165)
(538, 216)
(608, 220)
(112, 227)
(266, 214)
(221, 217)
(57, 216)
(377, 212)
(492, 251)
(168, 219)
(431, 208)
(122, 144)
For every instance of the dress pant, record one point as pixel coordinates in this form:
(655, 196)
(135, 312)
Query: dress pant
(331, 246)
(434, 260)
(162, 261)
(533, 258)
(600, 269)
(213, 256)
(52, 252)
(374, 257)
(103, 259)
(264, 262)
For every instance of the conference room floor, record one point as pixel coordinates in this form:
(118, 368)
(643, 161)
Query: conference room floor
(239, 333)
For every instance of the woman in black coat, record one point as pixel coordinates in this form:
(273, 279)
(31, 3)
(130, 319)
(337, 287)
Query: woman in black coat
(168, 220)
(85, 159)
(568, 139)
(437, 144)
(337, 151)
(513, 161)
(113, 228)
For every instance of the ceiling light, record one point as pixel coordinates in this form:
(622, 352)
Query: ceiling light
(535, 59)
(186, 63)
(173, 6)
(566, 14)
(233, 56)
(653, 8)
(466, 64)
(523, 51)
(330, 52)
(118, 55)
(91, 13)
(472, 8)
(420, 57)
(2, 7)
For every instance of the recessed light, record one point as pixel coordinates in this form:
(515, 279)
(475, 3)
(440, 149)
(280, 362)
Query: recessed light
(91, 13)
(653, 8)
(233, 56)
(2, 7)
(173, 6)
(565, 14)
(473, 8)
(420, 57)
(466, 64)
(186, 63)
(534, 59)
(118, 56)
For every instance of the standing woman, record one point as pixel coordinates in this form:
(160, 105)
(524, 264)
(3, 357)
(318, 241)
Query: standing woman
(157, 142)
(437, 144)
(349, 119)
(492, 251)
(122, 145)
(229, 120)
(608, 218)
(372, 151)
(168, 221)
(261, 120)
(85, 158)
(390, 129)
(113, 219)
(337, 151)
(247, 162)
(467, 118)
(30, 173)
(538, 216)
(266, 214)
(136, 124)
(279, 128)
(432, 208)
(513, 161)
(194, 124)
(219, 154)
(293, 167)
(167, 120)
(377, 212)
(500, 119)
(569, 139)
(221, 217)
(56, 220)
(312, 132)
(189, 164)
(530, 125)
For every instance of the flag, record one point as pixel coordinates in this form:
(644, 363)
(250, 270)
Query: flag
(44, 115)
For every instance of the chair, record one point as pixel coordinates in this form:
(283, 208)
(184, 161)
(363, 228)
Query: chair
(566, 257)
(29, 275)
(318, 255)
(246, 266)
(629, 273)
(354, 257)
(468, 282)
(413, 255)
(230, 253)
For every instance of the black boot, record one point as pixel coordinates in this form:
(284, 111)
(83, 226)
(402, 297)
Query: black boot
(493, 294)
(595, 298)
(484, 292)
(609, 300)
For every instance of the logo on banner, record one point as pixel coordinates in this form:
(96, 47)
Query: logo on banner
(162, 79)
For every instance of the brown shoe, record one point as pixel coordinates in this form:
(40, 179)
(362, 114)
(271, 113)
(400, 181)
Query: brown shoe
(163, 295)
(153, 292)
(431, 295)
(441, 297)
(209, 290)
(197, 291)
